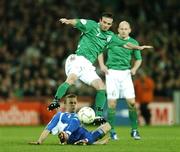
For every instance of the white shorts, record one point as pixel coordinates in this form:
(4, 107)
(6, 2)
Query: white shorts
(119, 84)
(81, 67)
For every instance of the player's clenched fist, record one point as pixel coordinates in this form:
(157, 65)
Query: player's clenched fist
(64, 21)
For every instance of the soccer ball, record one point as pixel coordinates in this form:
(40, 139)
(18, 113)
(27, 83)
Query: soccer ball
(86, 115)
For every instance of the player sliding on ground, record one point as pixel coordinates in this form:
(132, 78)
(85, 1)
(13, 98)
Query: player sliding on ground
(68, 127)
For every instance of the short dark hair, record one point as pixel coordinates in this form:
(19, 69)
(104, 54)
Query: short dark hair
(107, 14)
(70, 96)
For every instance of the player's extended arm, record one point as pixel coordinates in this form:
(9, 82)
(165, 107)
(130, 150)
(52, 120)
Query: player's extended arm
(136, 66)
(68, 21)
(136, 47)
(42, 137)
(103, 67)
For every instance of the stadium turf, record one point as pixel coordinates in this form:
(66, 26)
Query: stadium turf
(154, 139)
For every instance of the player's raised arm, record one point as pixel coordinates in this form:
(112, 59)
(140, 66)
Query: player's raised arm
(81, 24)
(136, 47)
(68, 21)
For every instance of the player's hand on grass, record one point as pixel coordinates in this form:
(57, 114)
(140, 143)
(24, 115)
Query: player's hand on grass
(34, 143)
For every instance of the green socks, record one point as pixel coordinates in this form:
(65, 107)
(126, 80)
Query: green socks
(111, 118)
(133, 117)
(100, 102)
(62, 89)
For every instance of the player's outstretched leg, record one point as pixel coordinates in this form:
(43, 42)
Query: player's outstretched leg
(100, 99)
(100, 102)
(62, 89)
(99, 105)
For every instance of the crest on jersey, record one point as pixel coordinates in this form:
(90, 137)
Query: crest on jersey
(109, 38)
(83, 21)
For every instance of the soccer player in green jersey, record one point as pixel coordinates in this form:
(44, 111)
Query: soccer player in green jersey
(95, 36)
(118, 72)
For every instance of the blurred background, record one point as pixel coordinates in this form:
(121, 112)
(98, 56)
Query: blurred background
(34, 46)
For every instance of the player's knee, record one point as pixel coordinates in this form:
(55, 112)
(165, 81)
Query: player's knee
(101, 85)
(131, 102)
(112, 104)
(132, 106)
(71, 79)
(98, 84)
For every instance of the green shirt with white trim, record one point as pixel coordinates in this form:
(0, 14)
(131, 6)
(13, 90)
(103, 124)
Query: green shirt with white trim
(119, 58)
(92, 40)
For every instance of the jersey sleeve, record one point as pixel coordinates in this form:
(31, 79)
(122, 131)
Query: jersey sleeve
(84, 25)
(53, 122)
(137, 53)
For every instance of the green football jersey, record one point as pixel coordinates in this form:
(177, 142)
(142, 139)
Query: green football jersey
(119, 58)
(93, 40)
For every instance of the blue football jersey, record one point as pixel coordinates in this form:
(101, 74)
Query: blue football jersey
(60, 121)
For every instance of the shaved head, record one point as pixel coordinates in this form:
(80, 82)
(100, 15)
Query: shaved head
(125, 23)
(124, 29)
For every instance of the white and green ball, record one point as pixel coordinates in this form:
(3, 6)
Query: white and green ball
(86, 115)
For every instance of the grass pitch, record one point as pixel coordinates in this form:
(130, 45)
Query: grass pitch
(154, 139)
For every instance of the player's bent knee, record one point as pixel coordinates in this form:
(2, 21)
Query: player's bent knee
(132, 106)
(71, 79)
(131, 101)
(112, 104)
(98, 84)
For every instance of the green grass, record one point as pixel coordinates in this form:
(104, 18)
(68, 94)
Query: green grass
(154, 139)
